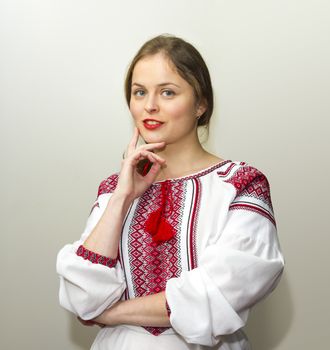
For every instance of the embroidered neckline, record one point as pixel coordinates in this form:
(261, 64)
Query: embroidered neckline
(199, 173)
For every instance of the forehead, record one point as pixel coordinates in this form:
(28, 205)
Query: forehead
(155, 69)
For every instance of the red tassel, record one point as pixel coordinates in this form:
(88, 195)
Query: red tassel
(165, 232)
(153, 222)
(156, 224)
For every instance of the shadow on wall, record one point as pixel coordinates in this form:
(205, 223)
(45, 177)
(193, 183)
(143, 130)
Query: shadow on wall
(80, 335)
(271, 320)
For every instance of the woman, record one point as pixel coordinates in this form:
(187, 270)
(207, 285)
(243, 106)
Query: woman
(181, 243)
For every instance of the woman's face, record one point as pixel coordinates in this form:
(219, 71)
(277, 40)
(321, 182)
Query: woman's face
(162, 103)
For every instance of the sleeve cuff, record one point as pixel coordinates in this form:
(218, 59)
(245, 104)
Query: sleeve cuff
(95, 258)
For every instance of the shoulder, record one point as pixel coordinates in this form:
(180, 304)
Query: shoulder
(249, 182)
(241, 174)
(252, 190)
(108, 185)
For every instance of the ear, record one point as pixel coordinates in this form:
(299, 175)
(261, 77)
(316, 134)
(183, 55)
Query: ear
(201, 107)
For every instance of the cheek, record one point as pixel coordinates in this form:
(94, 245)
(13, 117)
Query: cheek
(134, 110)
(181, 110)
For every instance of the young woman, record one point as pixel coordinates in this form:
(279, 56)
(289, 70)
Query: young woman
(179, 244)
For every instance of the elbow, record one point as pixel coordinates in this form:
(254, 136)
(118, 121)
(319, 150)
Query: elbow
(278, 274)
(87, 289)
(85, 303)
(76, 300)
(263, 285)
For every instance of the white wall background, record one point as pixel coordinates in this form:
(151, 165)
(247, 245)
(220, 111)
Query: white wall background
(64, 126)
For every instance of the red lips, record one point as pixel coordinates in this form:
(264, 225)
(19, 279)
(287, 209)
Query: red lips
(152, 124)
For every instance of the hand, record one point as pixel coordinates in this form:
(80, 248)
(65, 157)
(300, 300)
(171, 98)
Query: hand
(89, 322)
(130, 182)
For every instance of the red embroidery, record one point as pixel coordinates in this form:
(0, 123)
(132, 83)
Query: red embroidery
(193, 223)
(254, 208)
(95, 258)
(251, 182)
(224, 173)
(204, 172)
(157, 224)
(108, 185)
(153, 264)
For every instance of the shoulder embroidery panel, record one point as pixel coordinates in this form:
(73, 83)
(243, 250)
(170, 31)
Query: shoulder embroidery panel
(252, 190)
(108, 185)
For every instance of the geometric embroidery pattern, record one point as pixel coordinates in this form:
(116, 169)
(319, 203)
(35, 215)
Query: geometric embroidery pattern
(252, 192)
(152, 264)
(108, 185)
(249, 181)
(95, 258)
(193, 223)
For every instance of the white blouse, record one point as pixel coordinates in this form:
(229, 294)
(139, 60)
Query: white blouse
(224, 257)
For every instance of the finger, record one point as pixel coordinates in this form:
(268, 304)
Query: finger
(143, 153)
(147, 155)
(86, 322)
(152, 173)
(152, 156)
(132, 145)
(151, 146)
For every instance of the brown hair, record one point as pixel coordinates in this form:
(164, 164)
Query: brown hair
(188, 63)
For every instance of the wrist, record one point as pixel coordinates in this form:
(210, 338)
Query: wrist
(118, 312)
(123, 198)
(121, 202)
(113, 316)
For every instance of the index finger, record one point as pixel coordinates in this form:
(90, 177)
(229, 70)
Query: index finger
(134, 140)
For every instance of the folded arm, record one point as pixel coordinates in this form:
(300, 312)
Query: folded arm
(148, 310)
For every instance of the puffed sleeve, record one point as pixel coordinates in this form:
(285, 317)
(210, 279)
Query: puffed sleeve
(242, 267)
(90, 283)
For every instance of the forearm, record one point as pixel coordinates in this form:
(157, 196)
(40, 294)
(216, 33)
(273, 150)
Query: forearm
(143, 311)
(104, 238)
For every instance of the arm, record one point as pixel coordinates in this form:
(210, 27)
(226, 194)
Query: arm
(144, 311)
(105, 237)
(88, 286)
(234, 273)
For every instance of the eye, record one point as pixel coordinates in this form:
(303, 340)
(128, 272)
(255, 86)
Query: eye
(138, 92)
(168, 93)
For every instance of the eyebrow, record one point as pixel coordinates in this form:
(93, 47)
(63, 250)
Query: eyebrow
(161, 84)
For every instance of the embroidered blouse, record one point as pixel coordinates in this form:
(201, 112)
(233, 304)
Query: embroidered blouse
(221, 258)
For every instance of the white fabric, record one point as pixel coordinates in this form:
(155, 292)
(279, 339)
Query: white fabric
(238, 260)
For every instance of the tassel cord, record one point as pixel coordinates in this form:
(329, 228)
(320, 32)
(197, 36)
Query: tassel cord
(157, 224)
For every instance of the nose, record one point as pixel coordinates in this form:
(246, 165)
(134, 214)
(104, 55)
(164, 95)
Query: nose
(151, 105)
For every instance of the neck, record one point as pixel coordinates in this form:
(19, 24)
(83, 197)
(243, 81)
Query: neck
(182, 159)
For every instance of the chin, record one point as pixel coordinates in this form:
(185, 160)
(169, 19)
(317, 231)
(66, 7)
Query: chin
(152, 139)
(148, 138)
